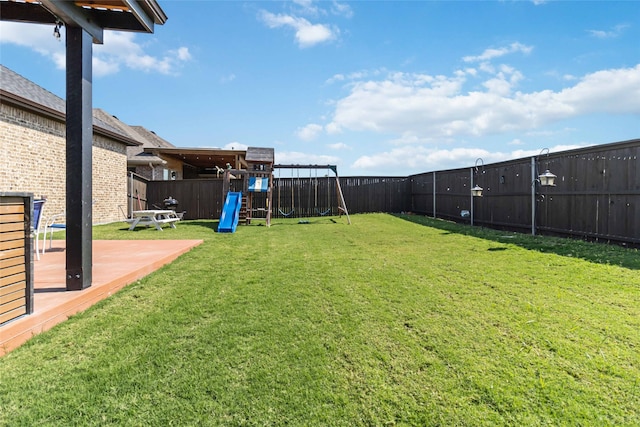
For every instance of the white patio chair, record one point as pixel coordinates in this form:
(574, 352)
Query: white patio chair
(38, 207)
(55, 222)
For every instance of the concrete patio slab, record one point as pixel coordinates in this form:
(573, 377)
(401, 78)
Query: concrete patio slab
(116, 263)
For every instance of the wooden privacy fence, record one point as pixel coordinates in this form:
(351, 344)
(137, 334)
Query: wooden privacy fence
(305, 197)
(292, 197)
(198, 198)
(136, 194)
(377, 194)
(597, 193)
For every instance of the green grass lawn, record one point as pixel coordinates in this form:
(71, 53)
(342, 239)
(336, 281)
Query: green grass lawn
(393, 320)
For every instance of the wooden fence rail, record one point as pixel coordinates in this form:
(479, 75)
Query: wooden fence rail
(597, 194)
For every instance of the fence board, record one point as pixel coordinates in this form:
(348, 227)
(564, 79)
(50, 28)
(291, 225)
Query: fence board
(597, 194)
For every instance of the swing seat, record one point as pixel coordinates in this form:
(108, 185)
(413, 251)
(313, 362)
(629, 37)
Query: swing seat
(323, 213)
(286, 214)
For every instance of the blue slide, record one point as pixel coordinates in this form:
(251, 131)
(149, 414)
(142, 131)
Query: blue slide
(230, 213)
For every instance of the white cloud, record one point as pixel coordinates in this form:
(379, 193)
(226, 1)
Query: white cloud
(609, 34)
(422, 158)
(100, 66)
(357, 75)
(341, 9)
(299, 158)
(333, 128)
(182, 53)
(504, 80)
(516, 154)
(309, 132)
(339, 146)
(422, 106)
(396, 161)
(306, 33)
(306, 7)
(606, 91)
(120, 49)
(310, 8)
(228, 78)
(38, 38)
(489, 54)
(335, 78)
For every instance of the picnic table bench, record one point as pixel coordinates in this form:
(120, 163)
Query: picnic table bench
(153, 217)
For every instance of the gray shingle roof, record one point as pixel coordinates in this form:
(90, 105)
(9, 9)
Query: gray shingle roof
(14, 83)
(115, 123)
(151, 136)
(24, 89)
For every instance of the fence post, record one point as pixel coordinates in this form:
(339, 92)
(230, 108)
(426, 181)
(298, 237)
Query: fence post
(533, 196)
(130, 213)
(434, 194)
(471, 194)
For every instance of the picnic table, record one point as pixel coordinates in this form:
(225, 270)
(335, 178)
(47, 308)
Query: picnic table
(153, 217)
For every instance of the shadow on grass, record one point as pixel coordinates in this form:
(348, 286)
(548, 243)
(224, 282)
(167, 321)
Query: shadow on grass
(600, 253)
(307, 221)
(211, 225)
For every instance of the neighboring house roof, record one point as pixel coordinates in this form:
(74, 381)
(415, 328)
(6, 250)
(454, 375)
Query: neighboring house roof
(135, 155)
(144, 159)
(115, 123)
(19, 91)
(154, 140)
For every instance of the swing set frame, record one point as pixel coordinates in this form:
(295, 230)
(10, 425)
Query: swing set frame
(342, 206)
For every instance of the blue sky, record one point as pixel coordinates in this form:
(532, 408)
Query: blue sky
(376, 87)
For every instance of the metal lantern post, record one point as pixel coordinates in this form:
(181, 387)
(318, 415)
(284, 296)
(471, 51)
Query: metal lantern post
(547, 179)
(476, 191)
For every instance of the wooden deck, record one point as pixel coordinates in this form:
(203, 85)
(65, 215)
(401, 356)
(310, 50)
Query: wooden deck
(116, 263)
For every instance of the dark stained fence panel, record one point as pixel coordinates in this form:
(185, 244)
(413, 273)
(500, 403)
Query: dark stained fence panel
(197, 198)
(597, 194)
(422, 193)
(136, 193)
(453, 194)
(506, 201)
(376, 194)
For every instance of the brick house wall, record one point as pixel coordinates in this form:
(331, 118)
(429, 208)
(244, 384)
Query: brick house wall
(143, 171)
(32, 159)
(109, 180)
